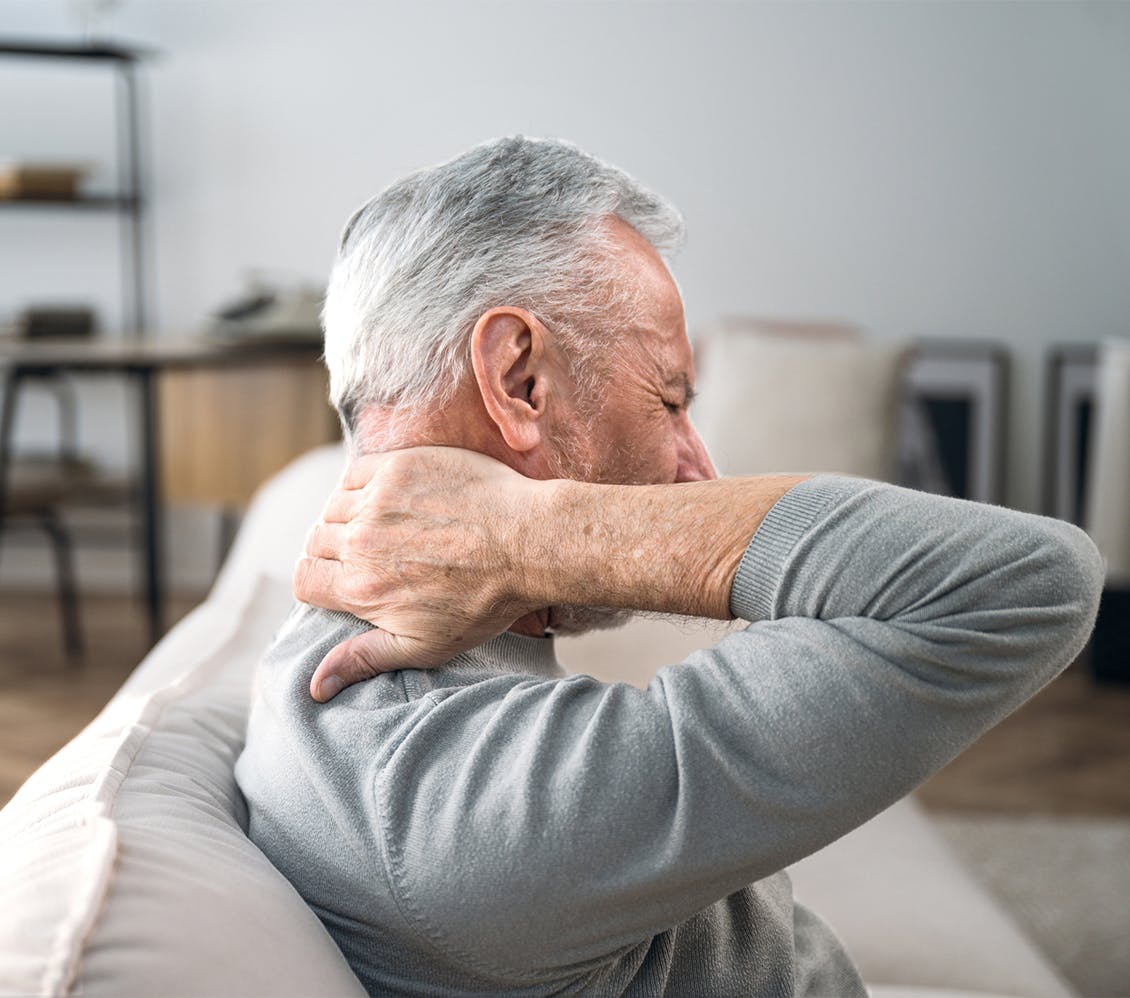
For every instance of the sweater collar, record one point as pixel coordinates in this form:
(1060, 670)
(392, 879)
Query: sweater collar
(514, 653)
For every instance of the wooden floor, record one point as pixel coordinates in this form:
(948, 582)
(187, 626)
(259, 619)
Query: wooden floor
(43, 701)
(1067, 751)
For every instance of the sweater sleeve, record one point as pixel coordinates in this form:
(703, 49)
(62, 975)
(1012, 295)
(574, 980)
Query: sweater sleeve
(889, 629)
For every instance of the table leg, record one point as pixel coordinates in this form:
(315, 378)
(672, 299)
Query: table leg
(151, 501)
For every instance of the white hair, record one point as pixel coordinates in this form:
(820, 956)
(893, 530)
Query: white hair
(514, 221)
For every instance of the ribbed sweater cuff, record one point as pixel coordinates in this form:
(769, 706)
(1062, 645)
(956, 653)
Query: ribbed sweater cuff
(753, 595)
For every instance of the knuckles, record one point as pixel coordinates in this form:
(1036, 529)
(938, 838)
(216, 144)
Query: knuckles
(397, 471)
(361, 543)
(359, 590)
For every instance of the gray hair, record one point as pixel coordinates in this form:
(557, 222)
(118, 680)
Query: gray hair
(514, 221)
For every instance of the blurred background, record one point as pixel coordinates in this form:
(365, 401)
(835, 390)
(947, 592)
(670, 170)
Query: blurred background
(917, 213)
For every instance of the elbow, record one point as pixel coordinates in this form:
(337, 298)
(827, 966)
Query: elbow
(1073, 582)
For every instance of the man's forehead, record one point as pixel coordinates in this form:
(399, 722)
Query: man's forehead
(664, 357)
(660, 336)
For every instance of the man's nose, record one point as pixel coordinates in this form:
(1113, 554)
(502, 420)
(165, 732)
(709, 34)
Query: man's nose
(694, 461)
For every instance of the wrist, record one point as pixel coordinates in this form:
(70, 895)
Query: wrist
(531, 534)
(614, 546)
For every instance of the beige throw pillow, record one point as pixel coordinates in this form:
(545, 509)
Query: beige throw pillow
(775, 403)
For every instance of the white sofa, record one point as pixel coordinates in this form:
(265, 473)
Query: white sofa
(125, 870)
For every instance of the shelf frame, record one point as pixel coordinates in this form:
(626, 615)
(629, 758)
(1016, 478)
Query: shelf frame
(88, 51)
(128, 200)
(85, 202)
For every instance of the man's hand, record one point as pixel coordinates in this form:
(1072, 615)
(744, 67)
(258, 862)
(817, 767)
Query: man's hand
(442, 549)
(426, 544)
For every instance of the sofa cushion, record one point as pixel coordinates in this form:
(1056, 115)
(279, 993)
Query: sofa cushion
(125, 868)
(909, 913)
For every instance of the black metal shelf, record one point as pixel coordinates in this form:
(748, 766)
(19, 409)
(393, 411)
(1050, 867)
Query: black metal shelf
(122, 198)
(87, 202)
(126, 198)
(98, 51)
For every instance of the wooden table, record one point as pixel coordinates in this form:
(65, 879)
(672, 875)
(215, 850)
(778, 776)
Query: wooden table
(214, 419)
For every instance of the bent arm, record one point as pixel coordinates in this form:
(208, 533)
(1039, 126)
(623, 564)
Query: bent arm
(441, 549)
(890, 629)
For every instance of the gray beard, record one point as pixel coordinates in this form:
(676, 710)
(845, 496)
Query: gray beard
(569, 621)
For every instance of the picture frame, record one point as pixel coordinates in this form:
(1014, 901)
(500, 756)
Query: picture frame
(953, 420)
(1071, 388)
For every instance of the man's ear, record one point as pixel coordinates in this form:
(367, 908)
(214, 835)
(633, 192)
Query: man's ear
(509, 354)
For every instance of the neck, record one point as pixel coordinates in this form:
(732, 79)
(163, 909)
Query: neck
(383, 428)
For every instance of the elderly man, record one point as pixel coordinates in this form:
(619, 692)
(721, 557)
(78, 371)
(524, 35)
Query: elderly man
(471, 820)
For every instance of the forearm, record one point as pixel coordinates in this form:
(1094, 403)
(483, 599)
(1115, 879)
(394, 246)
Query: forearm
(664, 548)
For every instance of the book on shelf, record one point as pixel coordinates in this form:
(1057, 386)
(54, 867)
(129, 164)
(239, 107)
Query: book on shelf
(24, 181)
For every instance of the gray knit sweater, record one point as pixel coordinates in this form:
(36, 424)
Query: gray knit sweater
(495, 826)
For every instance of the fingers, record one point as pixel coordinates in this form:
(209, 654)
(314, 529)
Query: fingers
(358, 659)
(360, 471)
(347, 499)
(316, 580)
(348, 663)
(342, 505)
(326, 540)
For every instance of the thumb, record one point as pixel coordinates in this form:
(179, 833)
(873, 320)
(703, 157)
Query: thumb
(355, 660)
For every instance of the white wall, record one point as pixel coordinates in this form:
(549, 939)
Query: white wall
(921, 169)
